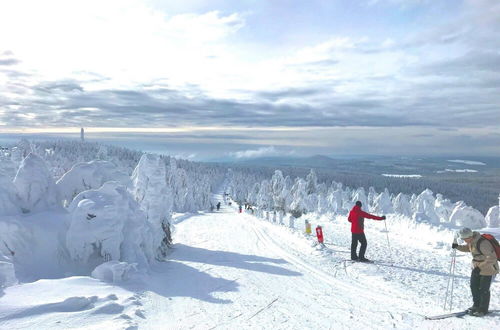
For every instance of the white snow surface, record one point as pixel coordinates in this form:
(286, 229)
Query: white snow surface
(228, 270)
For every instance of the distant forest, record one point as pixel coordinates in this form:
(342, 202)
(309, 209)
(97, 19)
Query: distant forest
(480, 192)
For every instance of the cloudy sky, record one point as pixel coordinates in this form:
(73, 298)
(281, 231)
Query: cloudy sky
(249, 78)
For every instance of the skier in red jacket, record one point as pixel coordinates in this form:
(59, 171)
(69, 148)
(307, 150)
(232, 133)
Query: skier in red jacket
(357, 219)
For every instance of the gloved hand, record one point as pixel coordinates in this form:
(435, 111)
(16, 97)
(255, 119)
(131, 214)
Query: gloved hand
(454, 245)
(383, 217)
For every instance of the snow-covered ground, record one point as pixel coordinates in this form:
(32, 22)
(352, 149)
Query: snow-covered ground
(228, 270)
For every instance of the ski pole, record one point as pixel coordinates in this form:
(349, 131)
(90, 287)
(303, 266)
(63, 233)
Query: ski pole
(451, 277)
(388, 243)
(454, 258)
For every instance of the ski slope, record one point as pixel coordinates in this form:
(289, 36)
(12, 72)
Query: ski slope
(228, 270)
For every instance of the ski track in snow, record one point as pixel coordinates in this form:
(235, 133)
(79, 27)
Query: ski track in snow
(228, 270)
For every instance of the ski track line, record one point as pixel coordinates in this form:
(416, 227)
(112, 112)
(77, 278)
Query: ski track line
(321, 275)
(325, 278)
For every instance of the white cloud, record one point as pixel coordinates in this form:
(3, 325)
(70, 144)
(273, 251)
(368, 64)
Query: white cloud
(260, 152)
(121, 39)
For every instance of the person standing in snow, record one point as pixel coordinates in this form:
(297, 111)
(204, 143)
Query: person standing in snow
(218, 206)
(484, 268)
(357, 219)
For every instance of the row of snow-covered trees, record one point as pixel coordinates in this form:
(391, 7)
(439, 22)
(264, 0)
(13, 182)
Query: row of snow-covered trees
(115, 210)
(302, 195)
(191, 183)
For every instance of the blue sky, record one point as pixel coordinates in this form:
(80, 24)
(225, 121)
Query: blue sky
(240, 79)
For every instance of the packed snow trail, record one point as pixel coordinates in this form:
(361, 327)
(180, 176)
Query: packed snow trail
(230, 269)
(227, 270)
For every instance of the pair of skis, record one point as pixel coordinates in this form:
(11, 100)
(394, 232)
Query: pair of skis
(456, 314)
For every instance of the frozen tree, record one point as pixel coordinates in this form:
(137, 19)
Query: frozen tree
(401, 205)
(9, 205)
(359, 195)
(372, 194)
(277, 186)
(322, 204)
(311, 182)
(493, 217)
(264, 198)
(424, 207)
(334, 200)
(382, 203)
(466, 216)
(299, 197)
(253, 194)
(443, 208)
(108, 224)
(149, 188)
(35, 186)
(86, 176)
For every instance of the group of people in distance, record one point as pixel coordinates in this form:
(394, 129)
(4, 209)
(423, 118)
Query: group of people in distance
(483, 248)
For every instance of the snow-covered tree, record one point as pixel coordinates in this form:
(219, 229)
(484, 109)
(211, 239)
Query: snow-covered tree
(90, 175)
(466, 216)
(382, 203)
(402, 205)
(35, 186)
(108, 224)
(149, 188)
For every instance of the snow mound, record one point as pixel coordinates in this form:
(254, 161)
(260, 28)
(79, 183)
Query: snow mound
(86, 176)
(114, 271)
(35, 186)
(107, 224)
(466, 216)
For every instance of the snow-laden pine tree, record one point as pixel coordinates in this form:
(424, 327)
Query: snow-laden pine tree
(90, 175)
(493, 216)
(150, 190)
(424, 207)
(443, 208)
(299, 203)
(277, 186)
(466, 216)
(402, 205)
(382, 203)
(108, 224)
(35, 186)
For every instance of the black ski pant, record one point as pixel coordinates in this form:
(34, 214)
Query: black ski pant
(354, 245)
(480, 288)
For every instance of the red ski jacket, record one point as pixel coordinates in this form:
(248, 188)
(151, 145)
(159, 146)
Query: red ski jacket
(357, 219)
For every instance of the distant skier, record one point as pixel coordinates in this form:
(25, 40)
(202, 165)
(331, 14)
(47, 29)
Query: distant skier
(240, 208)
(218, 206)
(484, 267)
(357, 218)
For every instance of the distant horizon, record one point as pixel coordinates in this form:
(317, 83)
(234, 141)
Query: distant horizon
(232, 153)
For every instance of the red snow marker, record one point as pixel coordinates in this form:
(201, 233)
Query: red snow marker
(319, 234)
